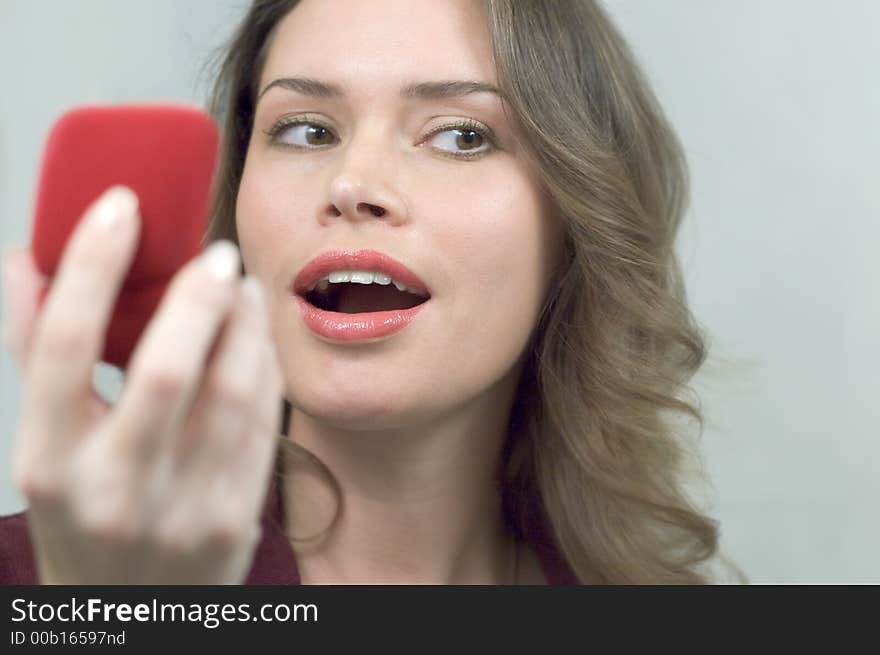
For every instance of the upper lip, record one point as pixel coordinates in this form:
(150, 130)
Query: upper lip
(362, 260)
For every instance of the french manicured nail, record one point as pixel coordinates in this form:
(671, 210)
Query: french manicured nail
(115, 209)
(221, 260)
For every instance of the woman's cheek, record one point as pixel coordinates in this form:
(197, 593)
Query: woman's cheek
(263, 223)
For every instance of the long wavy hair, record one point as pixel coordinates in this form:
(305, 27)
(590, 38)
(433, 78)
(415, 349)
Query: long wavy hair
(595, 445)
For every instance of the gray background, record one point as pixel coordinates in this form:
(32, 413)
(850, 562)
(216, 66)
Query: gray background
(777, 103)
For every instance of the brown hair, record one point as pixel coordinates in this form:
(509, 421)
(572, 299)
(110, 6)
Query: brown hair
(593, 447)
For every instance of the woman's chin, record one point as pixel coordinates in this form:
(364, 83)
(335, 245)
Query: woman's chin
(358, 411)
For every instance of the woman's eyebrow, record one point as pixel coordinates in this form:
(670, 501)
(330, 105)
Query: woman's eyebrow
(433, 90)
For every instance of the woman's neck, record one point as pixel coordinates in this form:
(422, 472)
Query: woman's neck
(420, 505)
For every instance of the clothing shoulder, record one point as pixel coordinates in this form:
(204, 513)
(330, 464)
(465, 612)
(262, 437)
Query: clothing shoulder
(17, 564)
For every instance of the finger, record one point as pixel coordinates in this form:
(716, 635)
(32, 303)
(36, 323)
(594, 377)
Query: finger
(229, 403)
(22, 285)
(70, 331)
(258, 451)
(168, 364)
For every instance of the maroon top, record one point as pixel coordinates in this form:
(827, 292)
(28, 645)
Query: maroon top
(273, 564)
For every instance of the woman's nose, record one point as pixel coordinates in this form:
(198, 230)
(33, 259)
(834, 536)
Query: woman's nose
(364, 188)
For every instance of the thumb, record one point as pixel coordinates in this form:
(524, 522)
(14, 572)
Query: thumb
(22, 285)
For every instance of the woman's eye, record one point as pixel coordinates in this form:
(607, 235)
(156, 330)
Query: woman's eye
(461, 141)
(302, 135)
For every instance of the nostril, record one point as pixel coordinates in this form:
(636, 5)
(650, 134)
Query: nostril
(375, 209)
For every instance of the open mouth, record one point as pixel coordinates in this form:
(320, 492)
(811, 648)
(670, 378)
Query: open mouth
(357, 298)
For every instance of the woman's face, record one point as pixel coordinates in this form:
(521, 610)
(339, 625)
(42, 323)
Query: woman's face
(370, 168)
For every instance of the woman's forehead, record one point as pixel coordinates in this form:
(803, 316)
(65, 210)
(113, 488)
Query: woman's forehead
(373, 43)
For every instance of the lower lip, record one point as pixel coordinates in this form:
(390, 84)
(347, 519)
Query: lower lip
(355, 327)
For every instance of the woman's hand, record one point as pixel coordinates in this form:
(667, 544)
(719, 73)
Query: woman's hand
(167, 485)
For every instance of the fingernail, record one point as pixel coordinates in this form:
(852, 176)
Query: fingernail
(253, 289)
(115, 209)
(221, 260)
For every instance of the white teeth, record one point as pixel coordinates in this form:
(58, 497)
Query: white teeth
(359, 277)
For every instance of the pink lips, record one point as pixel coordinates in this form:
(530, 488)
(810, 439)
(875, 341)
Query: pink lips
(338, 326)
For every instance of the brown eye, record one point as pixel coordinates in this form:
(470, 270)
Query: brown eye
(300, 134)
(468, 139)
(317, 135)
(463, 141)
